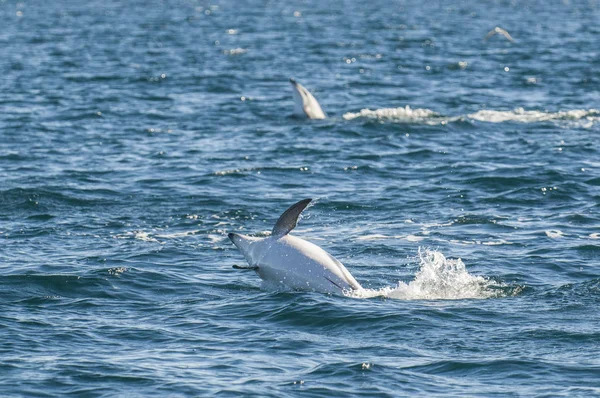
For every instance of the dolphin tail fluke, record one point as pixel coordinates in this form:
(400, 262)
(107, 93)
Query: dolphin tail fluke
(289, 218)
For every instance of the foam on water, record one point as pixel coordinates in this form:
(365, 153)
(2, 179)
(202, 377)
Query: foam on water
(406, 114)
(153, 236)
(438, 278)
(410, 238)
(378, 237)
(235, 51)
(582, 117)
(523, 116)
(554, 233)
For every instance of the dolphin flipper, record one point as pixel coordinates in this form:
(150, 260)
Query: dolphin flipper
(289, 218)
(235, 266)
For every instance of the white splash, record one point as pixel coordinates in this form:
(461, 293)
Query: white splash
(438, 278)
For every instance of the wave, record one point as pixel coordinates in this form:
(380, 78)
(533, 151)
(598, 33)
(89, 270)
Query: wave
(581, 117)
(440, 278)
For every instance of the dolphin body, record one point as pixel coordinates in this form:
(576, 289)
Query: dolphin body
(305, 104)
(292, 261)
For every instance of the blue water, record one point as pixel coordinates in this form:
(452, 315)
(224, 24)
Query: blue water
(457, 178)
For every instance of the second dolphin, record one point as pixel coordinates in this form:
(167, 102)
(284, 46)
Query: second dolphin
(305, 104)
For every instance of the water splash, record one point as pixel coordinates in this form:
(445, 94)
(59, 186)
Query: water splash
(438, 278)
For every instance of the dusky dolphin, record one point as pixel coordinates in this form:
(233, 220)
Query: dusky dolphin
(305, 104)
(292, 261)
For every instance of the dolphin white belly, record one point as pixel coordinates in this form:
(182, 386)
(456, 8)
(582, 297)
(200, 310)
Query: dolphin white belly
(300, 264)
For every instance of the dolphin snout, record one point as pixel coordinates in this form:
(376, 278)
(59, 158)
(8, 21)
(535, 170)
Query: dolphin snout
(242, 242)
(235, 238)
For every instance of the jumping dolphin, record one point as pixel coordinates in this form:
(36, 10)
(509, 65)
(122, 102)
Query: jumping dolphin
(292, 261)
(305, 105)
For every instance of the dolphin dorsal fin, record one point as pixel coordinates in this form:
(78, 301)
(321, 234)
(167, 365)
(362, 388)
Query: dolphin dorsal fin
(289, 218)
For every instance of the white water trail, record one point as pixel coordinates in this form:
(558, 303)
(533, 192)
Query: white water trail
(406, 114)
(585, 118)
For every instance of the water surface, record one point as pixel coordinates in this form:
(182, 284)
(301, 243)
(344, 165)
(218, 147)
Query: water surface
(457, 178)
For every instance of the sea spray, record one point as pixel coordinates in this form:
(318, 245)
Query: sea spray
(438, 278)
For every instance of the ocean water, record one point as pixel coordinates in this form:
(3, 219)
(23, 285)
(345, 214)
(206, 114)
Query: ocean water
(456, 177)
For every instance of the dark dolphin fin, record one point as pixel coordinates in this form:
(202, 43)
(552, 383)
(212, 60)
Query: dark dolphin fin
(244, 267)
(289, 218)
